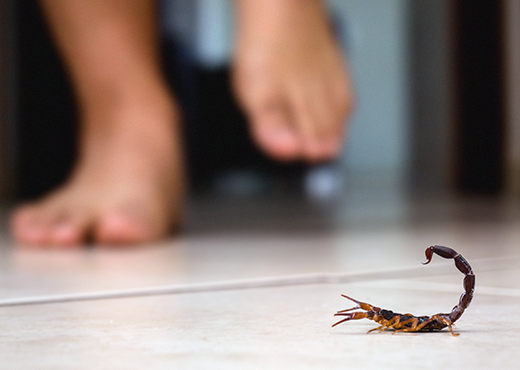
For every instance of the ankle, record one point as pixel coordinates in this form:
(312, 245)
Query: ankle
(110, 108)
(278, 11)
(137, 125)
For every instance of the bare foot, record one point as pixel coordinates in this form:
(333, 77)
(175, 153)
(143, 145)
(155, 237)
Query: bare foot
(127, 187)
(291, 78)
(128, 184)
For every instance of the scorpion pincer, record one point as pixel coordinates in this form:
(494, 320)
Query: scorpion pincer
(408, 322)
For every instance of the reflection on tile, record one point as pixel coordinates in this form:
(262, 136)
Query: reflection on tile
(193, 259)
(392, 277)
(202, 258)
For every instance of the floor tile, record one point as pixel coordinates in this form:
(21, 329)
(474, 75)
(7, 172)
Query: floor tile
(371, 260)
(255, 329)
(368, 254)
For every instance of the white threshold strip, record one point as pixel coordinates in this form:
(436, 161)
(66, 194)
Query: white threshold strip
(381, 276)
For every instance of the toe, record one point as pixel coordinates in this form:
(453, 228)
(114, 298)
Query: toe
(309, 122)
(67, 233)
(69, 224)
(275, 134)
(21, 219)
(35, 235)
(319, 124)
(120, 228)
(28, 228)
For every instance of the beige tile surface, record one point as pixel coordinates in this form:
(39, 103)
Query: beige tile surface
(195, 259)
(276, 327)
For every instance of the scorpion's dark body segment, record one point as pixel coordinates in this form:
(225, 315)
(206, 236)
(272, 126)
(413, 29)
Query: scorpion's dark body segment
(408, 322)
(431, 326)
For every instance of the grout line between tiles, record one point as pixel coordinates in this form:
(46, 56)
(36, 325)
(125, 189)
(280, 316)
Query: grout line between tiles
(290, 280)
(304, 279)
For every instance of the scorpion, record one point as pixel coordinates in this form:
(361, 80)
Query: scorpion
(408, 322)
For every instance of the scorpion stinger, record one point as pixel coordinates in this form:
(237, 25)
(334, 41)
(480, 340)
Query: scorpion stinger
(408, 322)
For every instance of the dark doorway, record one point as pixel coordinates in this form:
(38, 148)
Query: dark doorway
(480, 97)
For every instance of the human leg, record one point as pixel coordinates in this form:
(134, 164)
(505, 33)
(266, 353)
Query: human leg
(291, 78)
(128, 184)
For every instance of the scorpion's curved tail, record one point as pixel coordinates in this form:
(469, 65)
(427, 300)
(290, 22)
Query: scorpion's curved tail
(465, 268)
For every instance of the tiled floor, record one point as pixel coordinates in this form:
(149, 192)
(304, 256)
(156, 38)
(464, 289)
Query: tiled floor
(255, 285)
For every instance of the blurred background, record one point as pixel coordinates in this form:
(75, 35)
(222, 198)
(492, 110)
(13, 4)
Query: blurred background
(437, 117)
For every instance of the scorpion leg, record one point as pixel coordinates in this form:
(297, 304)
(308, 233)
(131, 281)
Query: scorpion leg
(414, 321)
(398, 323)
(387, 324)
(440, 318)
(380, 328)
(448, 323)
(415, 325)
